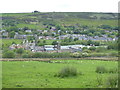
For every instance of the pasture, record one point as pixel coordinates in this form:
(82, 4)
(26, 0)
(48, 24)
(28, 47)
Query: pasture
(39, 74)
(8, 42)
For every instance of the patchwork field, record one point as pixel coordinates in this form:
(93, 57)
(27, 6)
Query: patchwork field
(39, 74)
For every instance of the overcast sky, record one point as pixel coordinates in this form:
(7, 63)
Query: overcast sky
(15, 6)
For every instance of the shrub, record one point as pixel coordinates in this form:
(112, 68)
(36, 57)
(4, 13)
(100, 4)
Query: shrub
(101, 69)
(50, 55)
(9, 54)
(113, 70)
(20, 50)
(25, 56)
(101, 49)
(87, 51)
(112, 81)
(76, 55)
(85, 54)
(92, 48)
(84, 48)
(61, 55)
(67, 71)
(113, 45)
(36, 55)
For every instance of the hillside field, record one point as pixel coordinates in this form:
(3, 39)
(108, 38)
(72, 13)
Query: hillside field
(7, 42)
(36, 20)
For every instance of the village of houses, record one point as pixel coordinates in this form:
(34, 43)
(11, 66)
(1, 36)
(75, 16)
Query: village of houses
(53, 48)
(79, 36)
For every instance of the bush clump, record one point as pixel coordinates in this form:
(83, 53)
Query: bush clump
(113, 70)
(46, 55)
(101, 49)
(112, 81)
(101, 69)
(79, 55)
(25, 56)
(67, 71)
(92, 48)
(76, 55)
(8, 54)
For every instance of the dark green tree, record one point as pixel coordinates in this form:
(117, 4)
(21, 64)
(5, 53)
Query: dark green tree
(11, 34)
(76, 39)
(44, 41)
(20, 51)
(54, 43)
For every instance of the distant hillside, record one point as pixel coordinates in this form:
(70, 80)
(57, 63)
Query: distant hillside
(57, 15)
(38, 19)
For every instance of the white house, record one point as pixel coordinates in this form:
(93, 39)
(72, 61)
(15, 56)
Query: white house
(28, 31)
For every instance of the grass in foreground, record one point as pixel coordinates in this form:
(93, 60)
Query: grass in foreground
(35, 74)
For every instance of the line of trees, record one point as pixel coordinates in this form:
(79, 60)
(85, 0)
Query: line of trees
(86, 52)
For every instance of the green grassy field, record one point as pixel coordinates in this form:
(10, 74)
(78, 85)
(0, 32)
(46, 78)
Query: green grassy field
(8, 42)
(36, 74)
(91, 22)
(28, 25)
